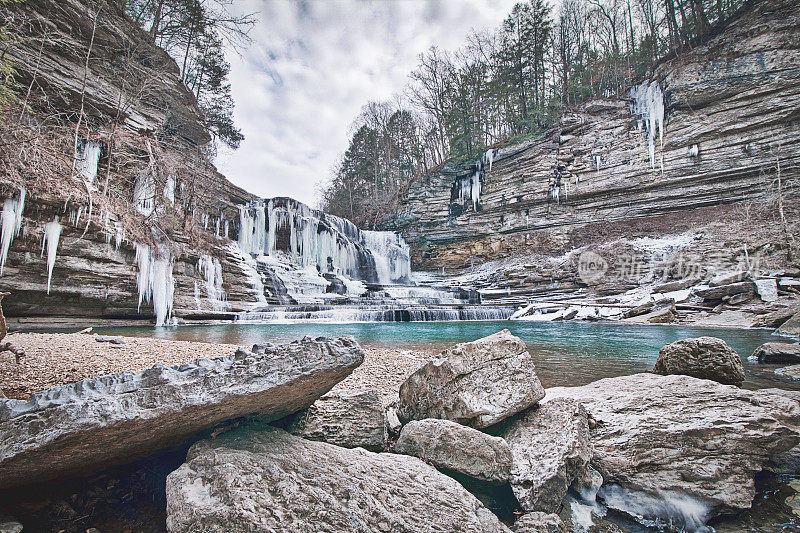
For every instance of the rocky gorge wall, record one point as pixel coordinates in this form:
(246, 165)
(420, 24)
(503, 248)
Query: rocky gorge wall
(728, 114)
(139, 188)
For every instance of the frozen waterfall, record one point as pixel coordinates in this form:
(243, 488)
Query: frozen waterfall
(648, 105)
(88, 159)
(392, 255)
(155, 282)
(211, 270)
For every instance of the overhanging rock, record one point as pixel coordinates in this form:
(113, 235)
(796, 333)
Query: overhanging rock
(97, 423)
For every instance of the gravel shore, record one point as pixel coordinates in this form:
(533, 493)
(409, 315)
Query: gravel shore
(58, 358)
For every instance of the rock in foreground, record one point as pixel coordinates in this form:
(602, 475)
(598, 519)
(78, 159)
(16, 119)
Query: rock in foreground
(350, 420)
(551, 448)
(692, 444)
(102, 422)
(477, 383)
(704, 358)
(449, 445)
(537, 522)
(264, 479)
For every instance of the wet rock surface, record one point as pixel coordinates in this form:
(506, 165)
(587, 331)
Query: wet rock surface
(777, 352)
(451, 446)
(477, 383)
(537, 522)
(551, 448)
(351, 420)
(680, 438)
(100, 422)
(266, 479)
(702, 357)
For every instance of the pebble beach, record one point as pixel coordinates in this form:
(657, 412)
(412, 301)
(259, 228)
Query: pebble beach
(54, 359)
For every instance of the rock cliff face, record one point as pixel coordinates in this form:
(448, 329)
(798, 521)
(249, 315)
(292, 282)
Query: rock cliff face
(140, 133)
(710, 128)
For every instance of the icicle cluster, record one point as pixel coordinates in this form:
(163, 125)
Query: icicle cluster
(488, 158)
(144, 194)
(391, 253)
(211, 270)
(87, 160)
(11, 219)
(470, 189)
(52, 234)
(648, 105)
(155, 282)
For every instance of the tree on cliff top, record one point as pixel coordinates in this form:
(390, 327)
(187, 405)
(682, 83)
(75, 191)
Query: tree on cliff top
(193, 33)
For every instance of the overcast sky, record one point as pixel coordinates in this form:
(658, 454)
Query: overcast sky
(311, 67)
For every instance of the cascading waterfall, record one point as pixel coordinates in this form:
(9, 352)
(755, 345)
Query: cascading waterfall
(648, 105)
(382, 313)
(392, 255)
(88, 159)
(11, 220)
(155, 282)
(52, 234)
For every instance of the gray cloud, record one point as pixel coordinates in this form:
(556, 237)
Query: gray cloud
(311, 67)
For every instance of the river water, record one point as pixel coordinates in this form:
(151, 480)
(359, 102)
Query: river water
(565, 353)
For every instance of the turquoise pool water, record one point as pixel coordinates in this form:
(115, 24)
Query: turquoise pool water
(566, 353)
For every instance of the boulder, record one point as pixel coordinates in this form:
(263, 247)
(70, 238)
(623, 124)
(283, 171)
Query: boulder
(777, 352)
(351, 420)
(787, 462)
(102, 422)
(662, 315)
(792, 371)
(551, 448)
(537, 522)
(477, 383)
(679, 285)
(264, 479)
(702, 357)
(791, 326)
(692, 445)
(451, 446)
(728, 278)
(767, 289)
(718, 292)
(776, 318)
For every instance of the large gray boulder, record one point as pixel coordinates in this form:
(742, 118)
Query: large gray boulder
(264, 479)
(777, 352)
(715, 293)
(348, 419)
(477, 383)
(791, 326)
(693, 445)
(702, 357)
(776, 318)
(551, 448)
(449, 445)
(97, 423)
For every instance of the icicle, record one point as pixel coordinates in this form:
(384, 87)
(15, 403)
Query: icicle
(144, 192)
(488, 158)
(52, 234)
(694, 150)
(88, 160)
(155, 282)
(211, 270)
(169, 189)
(11, 219)
(597, 163)
(648, 104)
(119, 234)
